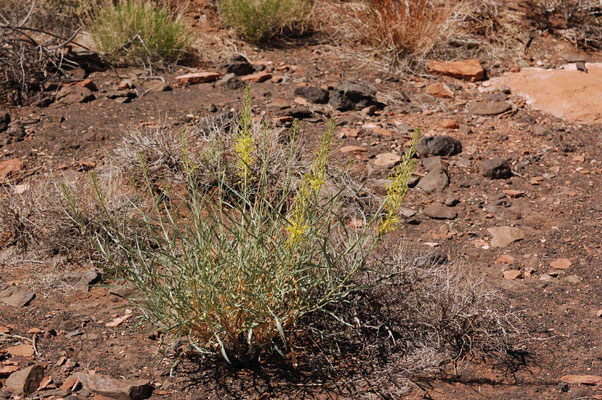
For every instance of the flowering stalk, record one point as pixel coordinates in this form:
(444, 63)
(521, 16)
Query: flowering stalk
(310, 187)
(244, 141)
(398, 188)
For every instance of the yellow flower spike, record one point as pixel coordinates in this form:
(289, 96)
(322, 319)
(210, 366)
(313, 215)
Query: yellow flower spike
(310, 187)
(398, 188)
(244, 142)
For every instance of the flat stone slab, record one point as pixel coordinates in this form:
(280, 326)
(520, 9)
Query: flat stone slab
(502, 236)
(565, 93)
(489, 108)
(198, 77)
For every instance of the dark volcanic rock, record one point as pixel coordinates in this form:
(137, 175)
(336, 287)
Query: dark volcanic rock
(239, 66)
(232, 82)
(299, 113)
(438, 146)
(313, 94)
(352, 95)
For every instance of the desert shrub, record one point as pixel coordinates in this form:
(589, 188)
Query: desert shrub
(233, 262)
(260, 20)
(406, 28)
(137, 31)
(65, 16)
(578, 21)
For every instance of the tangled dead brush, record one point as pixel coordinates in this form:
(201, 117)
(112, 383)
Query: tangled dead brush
(29, 54)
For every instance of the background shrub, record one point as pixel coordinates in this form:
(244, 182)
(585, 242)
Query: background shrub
(578, 21)
(260, 20)
(27, 59)
(136, 31)
(405, 28)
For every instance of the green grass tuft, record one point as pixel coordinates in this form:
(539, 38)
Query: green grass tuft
(139, 32)
(261, 20)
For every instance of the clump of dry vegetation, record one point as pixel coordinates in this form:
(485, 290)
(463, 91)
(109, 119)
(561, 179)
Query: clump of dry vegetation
(405, 28)
(242, 249)
(34, 217)
(33, 44)
(420, 313)
(578, 21)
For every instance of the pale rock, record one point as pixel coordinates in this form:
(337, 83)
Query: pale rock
(450, 123)
(257, 77)
(514, 194)
(348, 133)
(505, 259)
(9, 168)
(116, 388)
(512, 274)
(546, 277)
(451, 201)
(593, 380)
(352, 149)
(301, 101)
(430, 163)
(438, 211)
(407, 212)
(502, 236)
(21, 350)
(561, 263)
(488, 108)
(387, 160)
(156, 85)
(16, 296)
(74, 94)
(574, 279)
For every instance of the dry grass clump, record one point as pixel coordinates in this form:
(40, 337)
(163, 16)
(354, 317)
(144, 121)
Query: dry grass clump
(406, 28)
(159, 148)
(140, 32)
(35, 219)
(261, 20)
